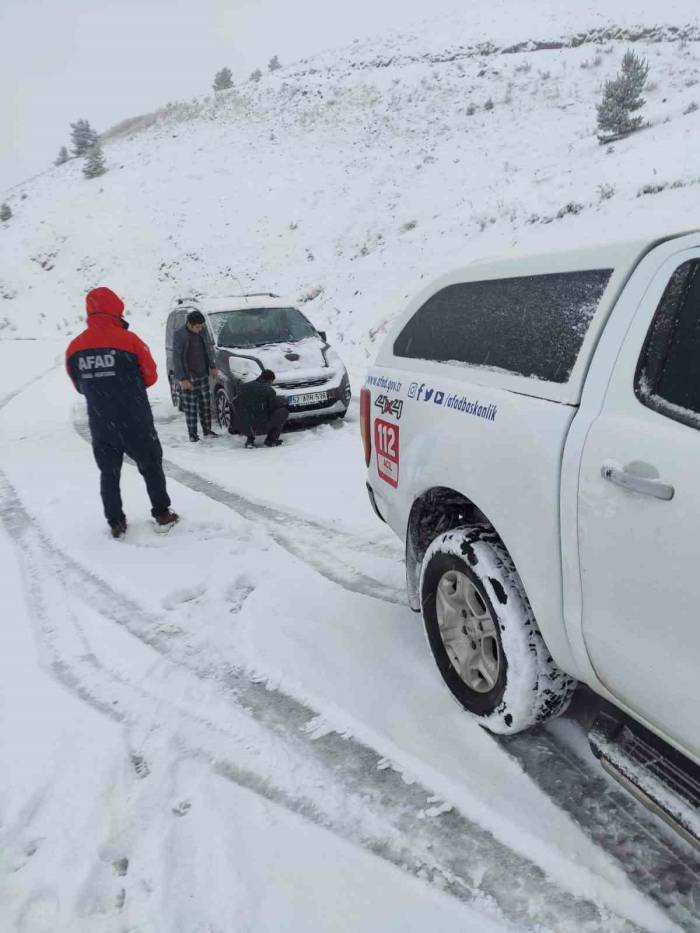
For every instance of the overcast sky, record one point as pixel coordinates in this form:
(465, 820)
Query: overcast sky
(106, 60)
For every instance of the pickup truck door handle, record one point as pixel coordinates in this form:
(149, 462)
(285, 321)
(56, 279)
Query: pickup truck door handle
(635, 483)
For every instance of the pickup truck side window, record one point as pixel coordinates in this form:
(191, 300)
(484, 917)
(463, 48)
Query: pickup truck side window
(530, 325)
(668, 374)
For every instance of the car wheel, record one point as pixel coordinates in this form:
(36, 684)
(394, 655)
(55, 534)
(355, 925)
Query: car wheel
(223, 408)
(483, 634)
(175, 392)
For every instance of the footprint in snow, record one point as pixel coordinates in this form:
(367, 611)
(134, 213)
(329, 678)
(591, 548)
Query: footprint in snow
(187, 594)
(140, 765)
(120, 866)
(17, 860)
(237, 594)
(32, 847)
(182, 808)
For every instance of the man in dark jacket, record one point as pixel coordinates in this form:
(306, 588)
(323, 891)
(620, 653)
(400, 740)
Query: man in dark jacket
(112, 368)
(193, 364)
(260, 410)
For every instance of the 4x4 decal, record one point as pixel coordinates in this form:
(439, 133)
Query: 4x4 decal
(389, 406)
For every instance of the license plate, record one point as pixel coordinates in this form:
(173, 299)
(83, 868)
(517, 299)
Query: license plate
(313, 398)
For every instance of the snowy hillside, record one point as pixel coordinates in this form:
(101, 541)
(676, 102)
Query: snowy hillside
(349, 178)
(238, 726)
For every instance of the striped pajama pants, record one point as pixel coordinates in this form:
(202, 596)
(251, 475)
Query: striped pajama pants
(197, 399)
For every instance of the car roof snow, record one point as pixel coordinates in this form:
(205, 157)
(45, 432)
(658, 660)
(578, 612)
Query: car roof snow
(210, 305)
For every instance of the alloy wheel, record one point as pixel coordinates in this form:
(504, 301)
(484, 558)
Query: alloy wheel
(175, 393)
(468, 631)
(223, 409)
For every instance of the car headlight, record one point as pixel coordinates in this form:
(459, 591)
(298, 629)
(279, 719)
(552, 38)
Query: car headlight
(245, 370)
(332, 358)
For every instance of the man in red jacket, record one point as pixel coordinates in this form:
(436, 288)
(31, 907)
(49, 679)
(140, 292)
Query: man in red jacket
(112, 368)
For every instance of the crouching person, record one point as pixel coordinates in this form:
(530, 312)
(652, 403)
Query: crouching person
(260, 410)
(112, 368)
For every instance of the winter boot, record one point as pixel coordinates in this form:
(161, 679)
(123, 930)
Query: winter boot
(118, 527)
(250, 442)
(194, 438)
(211, 433)
(167, 519)
(273, 443)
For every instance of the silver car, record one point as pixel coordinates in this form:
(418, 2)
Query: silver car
(250, 333)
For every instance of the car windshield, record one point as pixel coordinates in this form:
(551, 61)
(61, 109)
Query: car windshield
(256, 327)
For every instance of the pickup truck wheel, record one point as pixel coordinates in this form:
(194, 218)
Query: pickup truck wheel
(483, 634)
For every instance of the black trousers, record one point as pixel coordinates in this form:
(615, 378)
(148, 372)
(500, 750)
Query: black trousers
(147, 453)
(274, 426)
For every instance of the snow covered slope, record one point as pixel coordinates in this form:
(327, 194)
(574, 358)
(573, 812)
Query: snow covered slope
(256, 739)
(349, 178)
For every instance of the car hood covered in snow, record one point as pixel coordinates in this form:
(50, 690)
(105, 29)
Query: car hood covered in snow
(295, 362)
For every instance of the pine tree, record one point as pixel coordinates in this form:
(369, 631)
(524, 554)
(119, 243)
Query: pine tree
(273, 64)
(95, 162)
(622, 97)
(223, 80)
(256, 75)
(62, 156)
(5, 212)
(83, 137)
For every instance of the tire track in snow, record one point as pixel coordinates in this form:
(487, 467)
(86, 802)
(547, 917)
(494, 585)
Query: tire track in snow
(654, 859)
(358, 798)
(319, 547)
(615, 821)
(657, 865)
(6, 399)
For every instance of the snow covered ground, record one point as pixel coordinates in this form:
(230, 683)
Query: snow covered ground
(237, 726)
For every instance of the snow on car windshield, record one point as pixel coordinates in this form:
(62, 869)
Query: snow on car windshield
(256, 327)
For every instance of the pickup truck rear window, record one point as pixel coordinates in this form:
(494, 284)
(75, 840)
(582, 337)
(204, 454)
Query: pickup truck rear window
(531, 325)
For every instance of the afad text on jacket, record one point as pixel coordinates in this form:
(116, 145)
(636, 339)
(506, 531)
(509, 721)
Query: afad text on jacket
(112, 368)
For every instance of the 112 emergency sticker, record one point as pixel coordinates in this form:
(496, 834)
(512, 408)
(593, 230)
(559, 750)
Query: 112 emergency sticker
(386, 444)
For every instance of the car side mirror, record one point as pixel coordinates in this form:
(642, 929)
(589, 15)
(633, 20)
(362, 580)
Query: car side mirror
(322, 335)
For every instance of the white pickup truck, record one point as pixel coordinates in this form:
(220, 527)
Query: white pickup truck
(532, 431)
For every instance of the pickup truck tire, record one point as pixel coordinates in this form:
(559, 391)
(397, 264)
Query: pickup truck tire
(483, 634)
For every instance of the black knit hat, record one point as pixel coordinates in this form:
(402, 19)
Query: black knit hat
(195, 317)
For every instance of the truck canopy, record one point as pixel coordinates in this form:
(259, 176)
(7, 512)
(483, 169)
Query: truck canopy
(528, 324)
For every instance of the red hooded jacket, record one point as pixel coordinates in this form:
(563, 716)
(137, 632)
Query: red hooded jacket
(107, 330)
(112, 368)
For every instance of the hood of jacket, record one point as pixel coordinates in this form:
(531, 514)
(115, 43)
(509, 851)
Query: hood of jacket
(103, 301)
